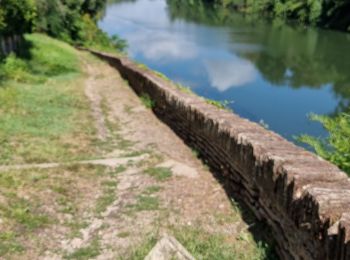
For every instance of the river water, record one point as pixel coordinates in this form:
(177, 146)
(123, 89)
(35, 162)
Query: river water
(268, 71)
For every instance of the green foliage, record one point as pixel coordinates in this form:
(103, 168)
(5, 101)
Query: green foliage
(16, 16)
(219, 104)
(91, 36)
(326, 13)
(69, 20)
(14, 69)
(147, 101)
(336, 147)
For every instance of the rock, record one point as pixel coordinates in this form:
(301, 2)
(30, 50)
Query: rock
(169, 248)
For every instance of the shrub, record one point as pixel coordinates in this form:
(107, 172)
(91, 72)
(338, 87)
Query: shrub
(336, 147)
(14, 68)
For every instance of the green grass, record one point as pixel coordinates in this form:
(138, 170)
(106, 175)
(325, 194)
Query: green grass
(203, 245)
(161, 75)
(219, 104)
(108, 196)
(88, 252)
(142, 250)
(23, 212)
(123, 234)
(159, 173)
(43, 110)
(9, 244)
(147, 101)
(208, 246)
(144, 203)
(152, 189)
(117, 170)
(26, 196)
(184, 89)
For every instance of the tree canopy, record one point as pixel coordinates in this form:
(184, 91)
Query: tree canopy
(16, 16)
(58, 18)
(326, 13)
(74, 21)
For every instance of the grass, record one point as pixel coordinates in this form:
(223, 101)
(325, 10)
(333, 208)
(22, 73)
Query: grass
(123, 234)
(219, 104)
(142, 250)
(144, 203)
(203, 245)
(9, 244)
(147, 101)
(152, 189)
(35, 199)
(44, 115)
(184, 89)
(88, 252)
(108, 196)
(24, 213)
(161, 75)
(117, 170)
(208, 246)
(159, 173)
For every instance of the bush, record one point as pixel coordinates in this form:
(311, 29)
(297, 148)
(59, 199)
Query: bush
(336, 147)
(14, 69)
(92, 37)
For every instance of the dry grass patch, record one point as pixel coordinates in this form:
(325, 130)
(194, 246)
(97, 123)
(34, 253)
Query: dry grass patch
(34, 202)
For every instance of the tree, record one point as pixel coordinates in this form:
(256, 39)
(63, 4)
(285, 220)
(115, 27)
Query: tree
(16, 16)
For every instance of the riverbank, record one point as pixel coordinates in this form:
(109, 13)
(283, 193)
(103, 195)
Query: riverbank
(88, 171)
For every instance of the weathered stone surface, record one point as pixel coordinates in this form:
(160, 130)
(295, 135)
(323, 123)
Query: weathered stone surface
(303, 198)
(169, 248)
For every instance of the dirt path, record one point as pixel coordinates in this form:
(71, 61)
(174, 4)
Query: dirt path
(152, 184)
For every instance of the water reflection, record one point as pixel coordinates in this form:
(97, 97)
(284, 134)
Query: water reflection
(271, 71)
(161, 47)
(225, 74)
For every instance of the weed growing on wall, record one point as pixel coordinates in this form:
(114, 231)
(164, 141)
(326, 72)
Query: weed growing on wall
(147, 101)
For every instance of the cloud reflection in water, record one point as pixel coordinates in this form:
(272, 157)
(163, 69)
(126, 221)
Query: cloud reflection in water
(225, 74)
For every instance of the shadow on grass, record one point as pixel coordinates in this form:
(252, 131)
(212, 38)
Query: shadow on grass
(22, 51)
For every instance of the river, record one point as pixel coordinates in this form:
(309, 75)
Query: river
(270, 72)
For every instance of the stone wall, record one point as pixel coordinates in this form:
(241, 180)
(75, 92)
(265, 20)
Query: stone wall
(9, 44)
(304, 199)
